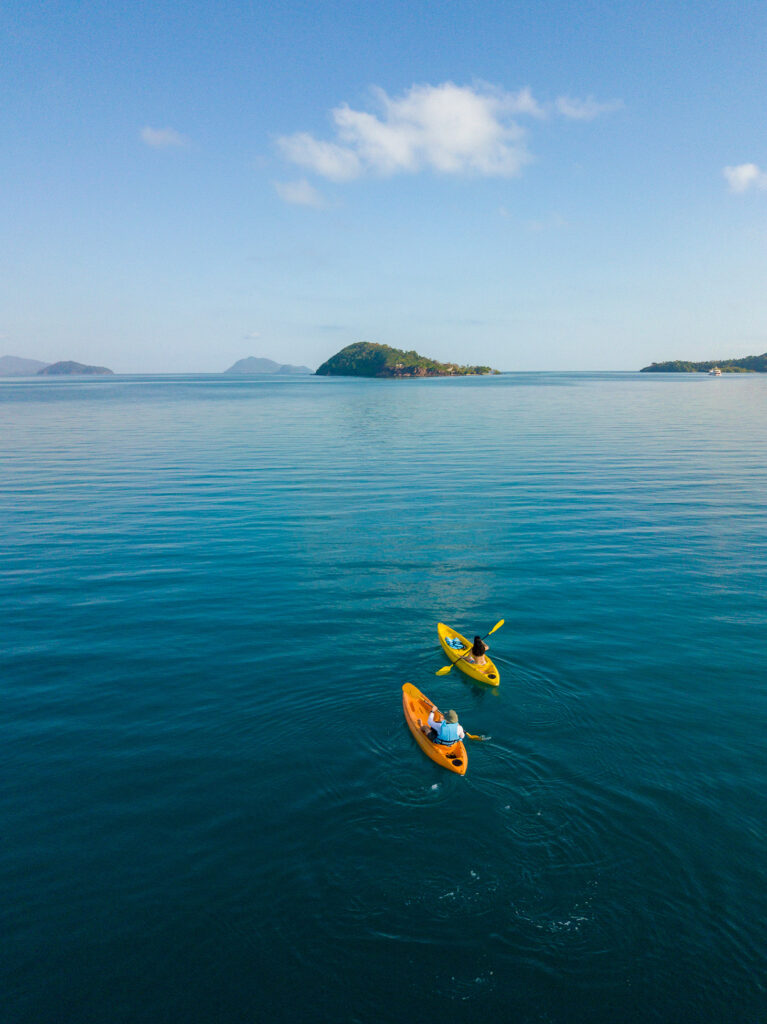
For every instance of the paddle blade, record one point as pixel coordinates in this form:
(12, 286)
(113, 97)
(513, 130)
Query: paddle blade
(496, 626)
(443, 671)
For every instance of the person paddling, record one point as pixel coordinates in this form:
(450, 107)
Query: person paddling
(478, 648)
(446, 732)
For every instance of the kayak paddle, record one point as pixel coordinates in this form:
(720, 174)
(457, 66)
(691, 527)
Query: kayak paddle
(449, 668)
(469, 736)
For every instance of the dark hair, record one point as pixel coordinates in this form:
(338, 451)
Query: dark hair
(479, 648)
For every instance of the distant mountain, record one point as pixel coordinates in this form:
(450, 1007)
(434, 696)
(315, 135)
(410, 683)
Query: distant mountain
(253, 364)
(14, 366)
(748, 364)
(369, 359)
(69, 368)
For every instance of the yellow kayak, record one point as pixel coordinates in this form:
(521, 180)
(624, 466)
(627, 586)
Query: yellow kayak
(486, 673)
(417, 707)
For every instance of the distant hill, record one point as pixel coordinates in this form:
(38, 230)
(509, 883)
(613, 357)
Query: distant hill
(368, 359)
(748, 364)
(69, 368)
(15, 366)
(253, 364)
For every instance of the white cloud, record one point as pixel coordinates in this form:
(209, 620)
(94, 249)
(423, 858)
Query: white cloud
(300, 193)
(163, 138)
(325, 158)
(585, 110)
(745, 176)
(251, 335)
(448, 128)
(523, 102)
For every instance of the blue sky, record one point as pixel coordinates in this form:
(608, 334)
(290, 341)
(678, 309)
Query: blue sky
(550, 186)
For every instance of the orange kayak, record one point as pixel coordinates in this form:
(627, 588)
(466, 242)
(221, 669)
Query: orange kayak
(417, 708)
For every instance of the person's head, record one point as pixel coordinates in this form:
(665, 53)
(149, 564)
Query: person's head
(479, 647)
(451, 717)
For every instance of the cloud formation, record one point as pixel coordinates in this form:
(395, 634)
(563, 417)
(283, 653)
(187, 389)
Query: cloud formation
(585, 110)
(300, 193)
(745, 176)
(446, 128)
(163, 138)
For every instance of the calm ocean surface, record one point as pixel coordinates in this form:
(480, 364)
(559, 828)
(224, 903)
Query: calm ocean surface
(211, 592)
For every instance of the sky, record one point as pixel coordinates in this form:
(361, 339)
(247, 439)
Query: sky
(551, 186)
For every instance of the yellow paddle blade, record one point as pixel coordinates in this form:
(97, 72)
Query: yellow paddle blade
(443, 671)
(496, 626)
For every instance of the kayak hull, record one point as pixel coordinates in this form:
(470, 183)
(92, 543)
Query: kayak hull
(417, 707)
(487, 673)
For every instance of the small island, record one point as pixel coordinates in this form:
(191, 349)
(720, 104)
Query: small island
(748, 364)
(368, 359)
(71, 369)
(255, 364)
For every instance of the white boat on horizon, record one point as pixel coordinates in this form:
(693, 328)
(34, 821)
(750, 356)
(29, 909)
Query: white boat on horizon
(715, 372)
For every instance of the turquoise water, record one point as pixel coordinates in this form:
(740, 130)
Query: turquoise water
(212, 591)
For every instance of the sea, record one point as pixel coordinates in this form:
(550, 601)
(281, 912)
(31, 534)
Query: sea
(212, 590)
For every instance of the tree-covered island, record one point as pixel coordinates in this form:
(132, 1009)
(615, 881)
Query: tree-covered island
(368, 359)
(69, 368)
(748, 364)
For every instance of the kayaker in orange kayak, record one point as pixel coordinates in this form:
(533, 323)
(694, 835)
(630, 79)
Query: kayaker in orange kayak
(477, 656)
(446, 732)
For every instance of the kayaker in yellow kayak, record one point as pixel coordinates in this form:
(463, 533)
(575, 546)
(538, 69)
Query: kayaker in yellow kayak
(477, 656)
(447, 731)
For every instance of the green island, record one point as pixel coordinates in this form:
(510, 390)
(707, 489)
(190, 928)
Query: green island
(748, 364)
(368, 359)
(70, 368)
